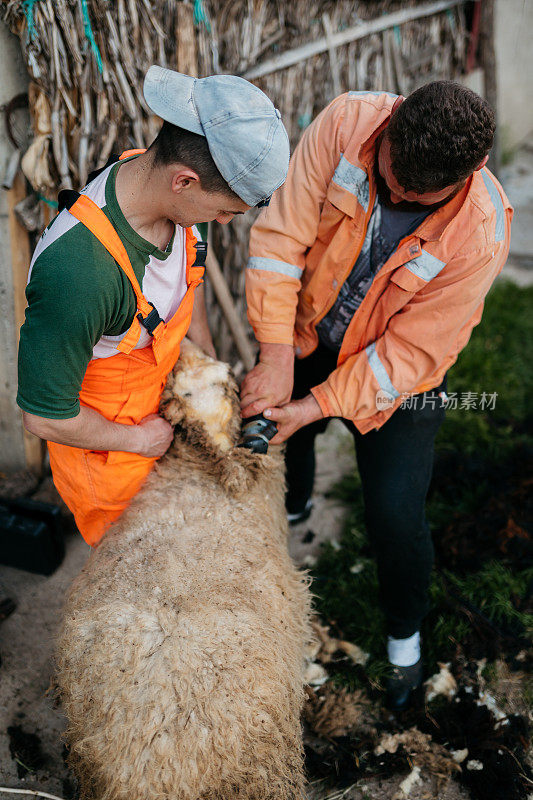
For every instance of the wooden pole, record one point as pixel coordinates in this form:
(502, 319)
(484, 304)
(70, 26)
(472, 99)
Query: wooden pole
(487, 58)
(20, 262)
(333, 60)
(382, 23)
(186, 40)
(225, 300)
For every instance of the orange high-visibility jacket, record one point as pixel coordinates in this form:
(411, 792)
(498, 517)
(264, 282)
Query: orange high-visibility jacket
(423, 303)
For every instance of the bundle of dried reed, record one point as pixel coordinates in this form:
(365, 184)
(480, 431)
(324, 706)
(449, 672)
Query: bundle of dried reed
(87, 60)
(256, 37)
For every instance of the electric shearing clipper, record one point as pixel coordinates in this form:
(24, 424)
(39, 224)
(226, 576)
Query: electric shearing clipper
(257, 432)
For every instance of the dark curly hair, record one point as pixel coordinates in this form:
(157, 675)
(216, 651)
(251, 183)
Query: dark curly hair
(438, 136)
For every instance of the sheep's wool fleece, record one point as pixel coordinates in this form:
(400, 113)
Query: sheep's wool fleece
(180, 658)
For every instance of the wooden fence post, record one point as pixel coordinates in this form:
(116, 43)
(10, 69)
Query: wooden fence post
(20, 261)
(18, 449)
(487, 57)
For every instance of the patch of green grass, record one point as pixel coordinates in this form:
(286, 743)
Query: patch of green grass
(528, 695)
(494, 590)
(497, 359)
(489, 672)
(350, 601)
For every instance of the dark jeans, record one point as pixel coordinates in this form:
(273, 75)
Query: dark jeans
(395, 464)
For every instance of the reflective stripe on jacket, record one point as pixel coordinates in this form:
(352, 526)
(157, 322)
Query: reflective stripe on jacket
(423, 303)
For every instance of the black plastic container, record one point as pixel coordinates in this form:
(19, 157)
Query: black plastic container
(31, 535)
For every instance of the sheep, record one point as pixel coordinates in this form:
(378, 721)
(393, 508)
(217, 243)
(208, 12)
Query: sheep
(180, 656)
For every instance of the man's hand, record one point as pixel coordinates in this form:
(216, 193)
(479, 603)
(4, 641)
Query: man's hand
(293, 416)
(155, 436)
(270, 382)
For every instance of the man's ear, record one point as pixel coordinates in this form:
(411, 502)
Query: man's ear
(183, 178)
(482, 164)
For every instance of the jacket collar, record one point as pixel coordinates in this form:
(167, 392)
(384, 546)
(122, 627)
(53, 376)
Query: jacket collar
(367, 151)
(435, 225)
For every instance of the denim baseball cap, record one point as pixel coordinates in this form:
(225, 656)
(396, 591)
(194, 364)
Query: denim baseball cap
(244, 131)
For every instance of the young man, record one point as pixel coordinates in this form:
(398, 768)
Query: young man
(371, 266)
(113, 280)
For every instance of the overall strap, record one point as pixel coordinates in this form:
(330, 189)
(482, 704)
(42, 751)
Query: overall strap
(92, 216)
(113, 159)
(87, 212)
(196, 253)
(130, 153)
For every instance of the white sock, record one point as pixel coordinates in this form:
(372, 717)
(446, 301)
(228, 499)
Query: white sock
(404, 652)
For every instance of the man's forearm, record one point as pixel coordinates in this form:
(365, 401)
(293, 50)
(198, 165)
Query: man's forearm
(280, 354)
(89, 430)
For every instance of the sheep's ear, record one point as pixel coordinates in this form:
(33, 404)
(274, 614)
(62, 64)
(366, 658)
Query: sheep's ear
(240, 470)
(172, 408)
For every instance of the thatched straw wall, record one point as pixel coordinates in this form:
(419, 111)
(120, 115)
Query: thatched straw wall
(87, 59)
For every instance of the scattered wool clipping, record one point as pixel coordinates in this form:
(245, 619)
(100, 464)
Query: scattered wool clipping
(412, 779)
(442, 683)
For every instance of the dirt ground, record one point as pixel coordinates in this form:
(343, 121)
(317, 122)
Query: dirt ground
(389, 789)
(26, 694)
(31, 752)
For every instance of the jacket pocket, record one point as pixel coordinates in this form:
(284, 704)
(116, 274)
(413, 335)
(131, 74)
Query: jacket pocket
(402, 286)
(407, 280)
(330, 219)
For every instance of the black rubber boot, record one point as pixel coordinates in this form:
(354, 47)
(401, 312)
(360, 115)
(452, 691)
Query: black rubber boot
(402, 684)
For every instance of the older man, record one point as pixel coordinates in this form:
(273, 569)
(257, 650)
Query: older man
(371, 266)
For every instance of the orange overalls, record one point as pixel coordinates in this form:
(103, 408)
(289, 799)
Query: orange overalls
(97, 486)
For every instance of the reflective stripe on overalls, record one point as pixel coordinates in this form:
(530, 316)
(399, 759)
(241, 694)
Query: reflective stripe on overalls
(97, 486)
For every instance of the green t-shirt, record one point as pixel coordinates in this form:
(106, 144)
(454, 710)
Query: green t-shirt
(76, 294)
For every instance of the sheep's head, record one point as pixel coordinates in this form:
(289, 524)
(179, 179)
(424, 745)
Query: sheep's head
(202, 393)
(201, 401)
